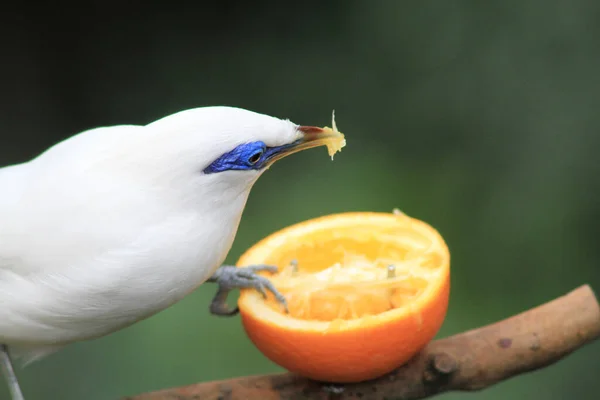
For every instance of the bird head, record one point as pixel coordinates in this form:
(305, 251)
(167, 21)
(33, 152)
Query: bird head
(225, 149)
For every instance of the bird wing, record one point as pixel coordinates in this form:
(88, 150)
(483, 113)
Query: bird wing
(44, 203)
(62, 220)
(13, 179)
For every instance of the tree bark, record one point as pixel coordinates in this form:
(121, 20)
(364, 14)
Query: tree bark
(468, 361)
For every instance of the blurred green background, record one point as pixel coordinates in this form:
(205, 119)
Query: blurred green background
(479, 117)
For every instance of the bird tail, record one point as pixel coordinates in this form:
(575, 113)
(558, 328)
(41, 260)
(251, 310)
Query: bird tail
(25, 355)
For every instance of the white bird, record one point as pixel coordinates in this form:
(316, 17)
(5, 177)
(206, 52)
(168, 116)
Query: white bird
(118, 223)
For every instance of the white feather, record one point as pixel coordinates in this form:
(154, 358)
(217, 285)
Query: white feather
(115, 224)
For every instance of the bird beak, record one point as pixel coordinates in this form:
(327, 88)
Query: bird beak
(311, 136)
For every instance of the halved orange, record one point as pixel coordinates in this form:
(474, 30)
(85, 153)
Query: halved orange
(366, 291)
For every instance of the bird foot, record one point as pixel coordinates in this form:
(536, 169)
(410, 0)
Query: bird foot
(230, 277)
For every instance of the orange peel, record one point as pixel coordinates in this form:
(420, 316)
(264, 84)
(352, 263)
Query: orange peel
(366, 291)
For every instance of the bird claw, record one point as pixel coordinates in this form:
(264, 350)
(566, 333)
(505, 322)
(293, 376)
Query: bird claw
(231, 277)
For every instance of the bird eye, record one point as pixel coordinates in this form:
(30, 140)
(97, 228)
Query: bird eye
(255, 157)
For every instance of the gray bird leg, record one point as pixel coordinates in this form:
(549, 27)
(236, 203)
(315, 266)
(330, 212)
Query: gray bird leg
(230, 277)
(9, 374)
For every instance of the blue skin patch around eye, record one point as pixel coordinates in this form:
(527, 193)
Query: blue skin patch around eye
(245, 157)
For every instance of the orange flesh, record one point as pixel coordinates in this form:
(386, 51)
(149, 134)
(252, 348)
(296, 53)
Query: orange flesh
(355, 281)
(336, 142)
(353, 288)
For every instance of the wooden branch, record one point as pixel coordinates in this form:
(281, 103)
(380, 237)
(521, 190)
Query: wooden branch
(468, 361)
